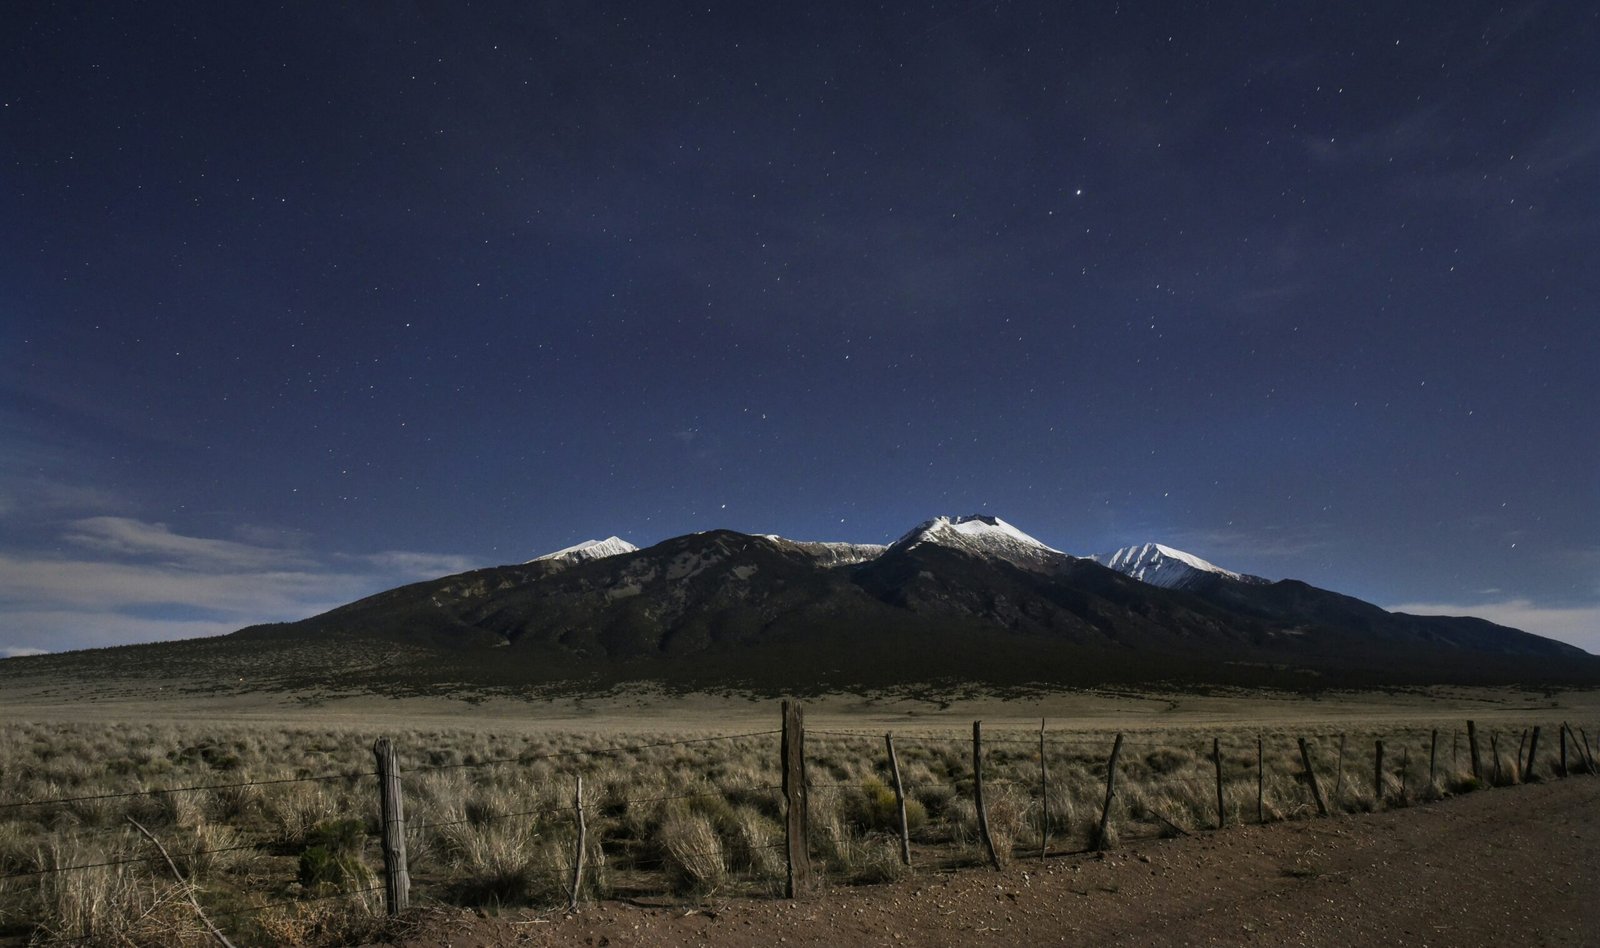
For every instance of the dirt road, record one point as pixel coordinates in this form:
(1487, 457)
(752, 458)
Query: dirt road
(1515, 866)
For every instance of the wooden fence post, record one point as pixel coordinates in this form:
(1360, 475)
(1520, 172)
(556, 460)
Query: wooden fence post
(1261, 780)
(1563, 749)
(1588, 753)
(1338, 776)
(796, 823)
(1433, 759)
(1216, 760)
(396, 878)
(1516, 765)
(1044, 798)
(1311, 778)
(1494, 751)
(1405, 774)
(1377, 777)
(899, 800)
(1102, 835)
(977, 794)
(1533, 755)
(583, 840)
(1472, 748)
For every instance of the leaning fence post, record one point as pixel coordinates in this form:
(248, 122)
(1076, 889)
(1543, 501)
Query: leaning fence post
(977, 794)
(1101, 836)
(1044, 798)
(1472, 748)
(1338, 779)
(1533, 755)
(1261, 780)
(583, 839)
(794, 794)
(1405, 775)
(899, 800)
(1311, 778)
(1216, 759)
(1377, 777)
(1433, 759)
(1494, 751)
(397, 880)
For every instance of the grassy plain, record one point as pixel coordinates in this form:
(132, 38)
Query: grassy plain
(278, 842)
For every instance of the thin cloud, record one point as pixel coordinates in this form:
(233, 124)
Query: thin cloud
(10, 651)
(133, 581)
(1577, 625)
(124, 536)
(419, 565)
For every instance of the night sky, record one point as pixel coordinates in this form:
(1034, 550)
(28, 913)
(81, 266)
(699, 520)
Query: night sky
(299, 303)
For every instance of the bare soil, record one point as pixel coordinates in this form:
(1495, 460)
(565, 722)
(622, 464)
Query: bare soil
(1515, 866)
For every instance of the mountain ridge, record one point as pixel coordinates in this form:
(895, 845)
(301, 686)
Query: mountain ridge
(970, 599)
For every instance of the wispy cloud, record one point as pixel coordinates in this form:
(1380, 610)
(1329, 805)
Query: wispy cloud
(127, 580)
(7, 652)
(123, 536)
(1268, 542)
(1578, 625)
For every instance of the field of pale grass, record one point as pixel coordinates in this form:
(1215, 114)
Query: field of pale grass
(274, 829)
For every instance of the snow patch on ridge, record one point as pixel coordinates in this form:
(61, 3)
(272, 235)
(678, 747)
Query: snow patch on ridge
(1166, 567)
(589, 550)
(832, 553)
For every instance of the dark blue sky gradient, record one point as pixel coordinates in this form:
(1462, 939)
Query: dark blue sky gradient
(1306, 289)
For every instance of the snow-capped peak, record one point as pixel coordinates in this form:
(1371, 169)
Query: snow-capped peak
(589, 550)
(983, 535)
(1164, 566)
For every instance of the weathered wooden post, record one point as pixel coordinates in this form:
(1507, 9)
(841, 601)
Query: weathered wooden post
(1533, 755)
(397, 879)
(1261, 780)
(583, 841)
(1216, 760)
(796, 823)
(1405, 775)
(1516, 762)
(1044, 798)
(1433, 758)
(1494, 751)
(1377, 777)
(1102, 835)
(1472, 749)
(1563, 749)
(1338, 778)
(899, 800)
(1311, 778)
(977, 794)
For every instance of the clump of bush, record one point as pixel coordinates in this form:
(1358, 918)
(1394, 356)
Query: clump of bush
(875, 810)
(332, 856)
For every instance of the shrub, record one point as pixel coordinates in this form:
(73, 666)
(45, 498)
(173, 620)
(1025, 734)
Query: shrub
(332, 856)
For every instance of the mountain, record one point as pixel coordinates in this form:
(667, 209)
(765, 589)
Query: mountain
(1166, 567)
(967, 599)
(984, 537)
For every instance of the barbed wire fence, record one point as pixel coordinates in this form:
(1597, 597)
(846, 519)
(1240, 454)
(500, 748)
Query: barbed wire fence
(761, 816)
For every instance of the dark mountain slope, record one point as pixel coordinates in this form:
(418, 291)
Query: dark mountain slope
(970, 600)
